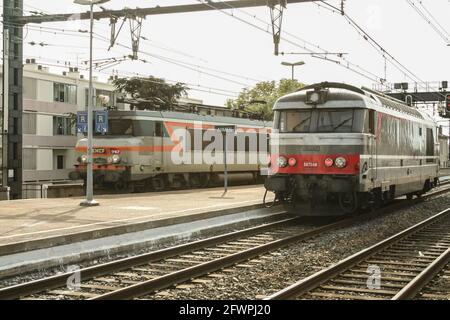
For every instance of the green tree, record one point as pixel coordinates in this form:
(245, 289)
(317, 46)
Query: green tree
(150, 90)
(250, 100)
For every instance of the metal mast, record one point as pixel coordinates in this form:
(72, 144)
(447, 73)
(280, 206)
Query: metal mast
(12, 98)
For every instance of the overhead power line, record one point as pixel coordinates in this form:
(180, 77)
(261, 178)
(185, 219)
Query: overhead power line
(430, 20)
(378, 47)
(307, 46)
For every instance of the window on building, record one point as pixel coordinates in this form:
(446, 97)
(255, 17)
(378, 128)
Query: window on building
(60, 162)
(29, 159)
(98, 93)
(63, 126)
(66, 93)
(29, 123)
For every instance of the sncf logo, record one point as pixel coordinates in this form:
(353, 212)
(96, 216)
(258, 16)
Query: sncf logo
(99, 150)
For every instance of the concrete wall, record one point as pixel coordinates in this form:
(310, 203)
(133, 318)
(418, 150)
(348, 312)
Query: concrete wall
(59, 142)
(44, 159)
(49, 107)
(44, 126)
(46, 175)
(30, 88)
(69, 158)
(45, 91)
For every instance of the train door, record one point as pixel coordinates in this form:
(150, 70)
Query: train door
(158, 144)
(430, 145)
(373, 143)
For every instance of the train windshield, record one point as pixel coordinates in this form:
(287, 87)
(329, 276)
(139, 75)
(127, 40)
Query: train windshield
(335, 121)
(321, 121)
(295, 121)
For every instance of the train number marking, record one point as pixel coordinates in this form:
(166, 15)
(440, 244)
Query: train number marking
(310, 164)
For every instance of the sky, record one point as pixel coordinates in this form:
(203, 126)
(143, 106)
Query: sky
(194, 47)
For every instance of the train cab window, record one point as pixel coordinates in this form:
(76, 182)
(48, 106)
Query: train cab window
(143, 128)
(295, 121)
(372, 121)
(159, 132)
(120, 127)
(430, 145)
(335, 120)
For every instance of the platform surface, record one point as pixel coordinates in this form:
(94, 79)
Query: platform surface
(30, 220)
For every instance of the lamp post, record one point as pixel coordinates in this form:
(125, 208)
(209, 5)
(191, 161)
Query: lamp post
(293, 65)
(90, 202)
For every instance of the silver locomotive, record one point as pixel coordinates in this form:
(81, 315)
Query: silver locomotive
(337, 148)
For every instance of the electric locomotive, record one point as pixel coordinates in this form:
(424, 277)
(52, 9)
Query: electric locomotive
(336, 148)
(137, 154)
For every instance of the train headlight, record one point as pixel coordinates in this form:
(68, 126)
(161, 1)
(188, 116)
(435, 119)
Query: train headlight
(329, 162)
(84, 158)
(292, 162)
(314, 97)
(116, 159)
(341, 162)
(282, 162)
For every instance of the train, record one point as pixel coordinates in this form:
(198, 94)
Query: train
(337, 149)
(154, 149)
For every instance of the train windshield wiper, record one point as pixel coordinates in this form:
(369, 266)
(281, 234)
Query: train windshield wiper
(302, 122)
(342, 123)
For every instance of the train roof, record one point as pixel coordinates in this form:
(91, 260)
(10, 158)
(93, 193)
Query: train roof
(174, 115)
(341, 95)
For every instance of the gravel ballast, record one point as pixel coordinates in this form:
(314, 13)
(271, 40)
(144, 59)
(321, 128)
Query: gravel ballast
(300, 260)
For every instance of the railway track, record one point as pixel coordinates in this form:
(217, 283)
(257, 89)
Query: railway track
(147, 273)
(396, 268)
(438, 288)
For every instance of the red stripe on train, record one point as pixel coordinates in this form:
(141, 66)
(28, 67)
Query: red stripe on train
(315, 164)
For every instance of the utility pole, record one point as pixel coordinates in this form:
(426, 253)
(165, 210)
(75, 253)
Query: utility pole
(12, 98)
(5, 113)
(276, 16)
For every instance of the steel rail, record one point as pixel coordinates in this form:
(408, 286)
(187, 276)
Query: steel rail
(48, 283)
(315, 280)
(418, 283)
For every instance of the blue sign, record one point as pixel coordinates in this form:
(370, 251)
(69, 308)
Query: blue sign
(82, 122)
(101, 122)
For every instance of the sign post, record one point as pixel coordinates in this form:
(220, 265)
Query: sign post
(225, 130)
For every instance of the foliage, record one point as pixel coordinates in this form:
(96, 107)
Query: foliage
(268, 91)
(151, 88)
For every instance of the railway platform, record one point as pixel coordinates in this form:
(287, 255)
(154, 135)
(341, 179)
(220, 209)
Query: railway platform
(44, 223)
